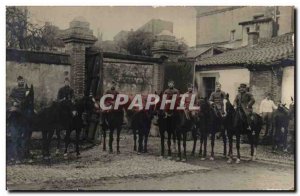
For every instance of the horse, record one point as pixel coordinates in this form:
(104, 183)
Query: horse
(236, 124)
(186, 123)
(281, 121)
(140, 123)
(111, 120)
(210, 122)
(59, 116)
(202, 126)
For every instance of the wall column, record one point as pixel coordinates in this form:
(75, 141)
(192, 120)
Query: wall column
(77, 38)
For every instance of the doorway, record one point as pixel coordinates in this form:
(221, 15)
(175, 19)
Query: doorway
(209, 85)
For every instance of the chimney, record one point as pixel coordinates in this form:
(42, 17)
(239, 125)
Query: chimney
(253, 38)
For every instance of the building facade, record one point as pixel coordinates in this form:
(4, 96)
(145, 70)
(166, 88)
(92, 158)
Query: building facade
(228, 26)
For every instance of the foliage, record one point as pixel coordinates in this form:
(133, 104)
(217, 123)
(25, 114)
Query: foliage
(21, 33)
(139, 43)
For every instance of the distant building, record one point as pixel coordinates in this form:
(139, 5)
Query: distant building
(156, 26)
(228, 26)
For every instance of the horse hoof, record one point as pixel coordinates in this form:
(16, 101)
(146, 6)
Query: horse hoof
(169, 158)
(178, 159)
(212, 158)
(18, 162)
(134, 148)
(183, 160)
(66, 154)
(30, 161)
(161, 157)
(253, 158)
(139, 153)
(57, 152)
(203, 159)
(229, 161)
(238, 161)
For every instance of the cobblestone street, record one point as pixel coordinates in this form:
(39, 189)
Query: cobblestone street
(96, 167)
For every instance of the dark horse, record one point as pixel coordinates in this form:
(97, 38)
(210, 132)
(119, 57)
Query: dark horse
(184, 124)
(60, 116)
(140, 123)
(112, 120)
(209, 121)
(167, 123)
(235, 123)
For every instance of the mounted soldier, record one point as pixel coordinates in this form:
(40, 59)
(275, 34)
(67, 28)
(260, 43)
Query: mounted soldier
(245, 100)
(170, 91)
(217, 99)
(16, 118)
(65, 93)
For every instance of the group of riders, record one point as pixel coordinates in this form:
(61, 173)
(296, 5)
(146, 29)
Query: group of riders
(218, 100)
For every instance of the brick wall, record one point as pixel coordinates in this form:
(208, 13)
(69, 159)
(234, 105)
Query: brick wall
(264, 81)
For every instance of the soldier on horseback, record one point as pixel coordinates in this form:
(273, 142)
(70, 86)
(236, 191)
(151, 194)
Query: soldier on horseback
(170, 91)
(245, 100)
(217, 99)
(16, 125)
(65, 93)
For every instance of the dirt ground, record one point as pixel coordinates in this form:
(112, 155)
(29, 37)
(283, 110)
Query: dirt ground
(98, 170)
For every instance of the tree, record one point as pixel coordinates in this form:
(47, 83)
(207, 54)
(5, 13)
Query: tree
(140, 43)
(20, 33)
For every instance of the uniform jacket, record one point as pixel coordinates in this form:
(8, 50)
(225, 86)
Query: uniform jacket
(217, 98)
(245, 100)
(65, 92)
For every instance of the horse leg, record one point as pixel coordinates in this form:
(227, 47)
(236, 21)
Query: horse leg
(205, 146)
(238, 140)
(49, 138)
(162, 142)
(146, 140)
(111, 139)
(169, 145)
(45, 140)
(104, 139)
(179, 145)
(118, 139)
(184, 146)
(67, 142)
(224, 142)
(134, 139)
(78, 130)
(212, 154)
(174, 141)
(58, 141)
(201, 143)
(230, 138)
(140, 147)
(194, 134)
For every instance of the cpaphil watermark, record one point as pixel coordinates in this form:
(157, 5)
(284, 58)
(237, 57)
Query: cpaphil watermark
(145, 102)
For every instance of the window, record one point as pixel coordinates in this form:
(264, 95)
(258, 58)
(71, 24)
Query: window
(248, 29)
(232, 35)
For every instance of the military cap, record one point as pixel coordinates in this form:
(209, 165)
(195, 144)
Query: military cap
(243, 85)
(20, 78)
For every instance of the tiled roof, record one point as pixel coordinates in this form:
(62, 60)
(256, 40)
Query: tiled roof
(197, 52)
(267, 51)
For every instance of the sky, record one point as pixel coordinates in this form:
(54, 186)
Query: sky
(110, 20)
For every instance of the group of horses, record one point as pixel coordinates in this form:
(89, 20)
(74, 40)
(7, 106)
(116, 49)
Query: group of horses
(176, 124)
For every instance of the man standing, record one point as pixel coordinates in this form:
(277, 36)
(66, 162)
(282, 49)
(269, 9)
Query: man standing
(15, 125)
(245, 100)
(65, 93)
(266, 109)
(217, 99)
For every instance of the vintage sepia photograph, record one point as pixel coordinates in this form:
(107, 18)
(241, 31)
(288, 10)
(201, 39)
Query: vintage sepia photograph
(143, 98)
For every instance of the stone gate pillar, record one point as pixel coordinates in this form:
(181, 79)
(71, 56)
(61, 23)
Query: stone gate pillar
(77, 38)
